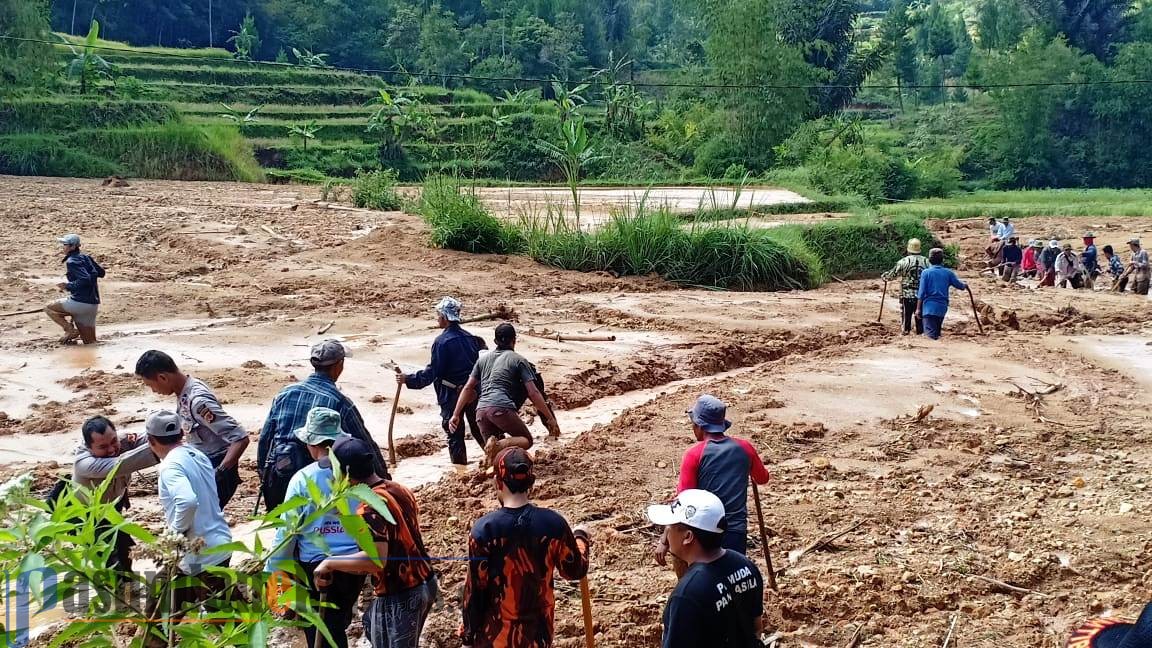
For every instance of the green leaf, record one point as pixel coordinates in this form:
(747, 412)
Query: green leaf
(258, 634)
(355, 526)
(365, 494)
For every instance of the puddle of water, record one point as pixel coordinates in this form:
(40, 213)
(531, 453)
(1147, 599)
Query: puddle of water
(1129, 354)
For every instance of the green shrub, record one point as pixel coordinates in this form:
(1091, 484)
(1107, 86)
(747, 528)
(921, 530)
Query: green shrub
(861, 247)
(871, 174)
(48, 155)
(459, 221)
(296, 176)
(377, 190)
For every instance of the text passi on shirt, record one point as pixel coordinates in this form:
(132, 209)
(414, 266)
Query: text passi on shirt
(715, 604)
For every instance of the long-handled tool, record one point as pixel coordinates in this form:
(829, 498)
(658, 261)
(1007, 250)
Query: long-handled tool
(392, 422)
(1116, 283)
(883, 296)
(586, 603)
(27, 312)
(975, 313)
(764, 537)
(318, 638)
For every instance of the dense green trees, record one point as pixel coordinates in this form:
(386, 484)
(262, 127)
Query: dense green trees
(22, 63)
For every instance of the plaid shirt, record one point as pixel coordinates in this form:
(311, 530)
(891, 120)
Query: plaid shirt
(290, 411)
(909, 268)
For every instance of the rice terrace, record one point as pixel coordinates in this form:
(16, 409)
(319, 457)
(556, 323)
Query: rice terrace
(790, 323)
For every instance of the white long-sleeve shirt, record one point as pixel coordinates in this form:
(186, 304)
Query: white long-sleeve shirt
(187, 486)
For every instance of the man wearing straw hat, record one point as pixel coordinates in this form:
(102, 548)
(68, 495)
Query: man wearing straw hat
(909, 269)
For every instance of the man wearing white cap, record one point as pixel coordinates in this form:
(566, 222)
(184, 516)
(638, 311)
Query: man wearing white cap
(83, 294)
(187, 489)
(720, 599)
(454, 353)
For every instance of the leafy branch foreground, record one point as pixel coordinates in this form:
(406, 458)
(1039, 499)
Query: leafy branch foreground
(58, 555)
(733, 254)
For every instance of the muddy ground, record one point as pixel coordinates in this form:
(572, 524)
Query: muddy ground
(1006, 516)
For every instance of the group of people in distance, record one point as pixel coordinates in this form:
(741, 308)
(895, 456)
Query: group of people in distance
(514, 552)
(1053, 264)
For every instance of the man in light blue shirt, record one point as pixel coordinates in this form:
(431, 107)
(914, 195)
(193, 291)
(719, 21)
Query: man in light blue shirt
(932, 296)
(326, 536)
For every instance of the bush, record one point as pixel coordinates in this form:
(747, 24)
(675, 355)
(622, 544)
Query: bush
(859, 247)
(377, 190)
(460, 221)
(65, 115)
(47, 155)
(868, 173)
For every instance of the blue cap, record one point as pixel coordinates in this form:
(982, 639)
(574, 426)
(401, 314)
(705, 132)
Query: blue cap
(709, 413)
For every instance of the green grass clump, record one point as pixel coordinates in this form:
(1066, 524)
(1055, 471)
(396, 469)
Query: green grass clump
(170, 151)
(460, 221)
(1022, 204)
(377, 190)
(66, 114)
(859, 246)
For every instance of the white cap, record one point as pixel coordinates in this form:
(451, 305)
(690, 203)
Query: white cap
(698, 509)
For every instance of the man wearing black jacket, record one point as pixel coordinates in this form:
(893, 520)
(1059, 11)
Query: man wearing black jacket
(84, 294)
(454, 353)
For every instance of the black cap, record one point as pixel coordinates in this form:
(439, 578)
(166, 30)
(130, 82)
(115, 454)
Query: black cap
(354, 455)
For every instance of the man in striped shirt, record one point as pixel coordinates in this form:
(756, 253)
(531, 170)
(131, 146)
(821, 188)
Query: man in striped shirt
(279, 454)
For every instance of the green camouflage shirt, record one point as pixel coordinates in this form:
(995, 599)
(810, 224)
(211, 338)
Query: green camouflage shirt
(909, 269)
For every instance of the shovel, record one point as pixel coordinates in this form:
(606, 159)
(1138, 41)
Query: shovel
(764, 536)
(392, 423)
(974, 312)
(883, 296)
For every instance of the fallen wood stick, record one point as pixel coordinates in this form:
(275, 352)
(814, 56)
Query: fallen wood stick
(1007, 586)
(327, 327)
(856, 635)
(27, 312)
(231, 231)
(795, 555)
(564, 337)
(948, 637)
(501, 312)
(271, 232)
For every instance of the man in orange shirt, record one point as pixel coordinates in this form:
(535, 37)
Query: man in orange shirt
(401, 570)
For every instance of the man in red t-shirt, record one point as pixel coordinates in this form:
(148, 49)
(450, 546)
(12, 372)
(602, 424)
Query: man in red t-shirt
(401, 570)
(721, 465)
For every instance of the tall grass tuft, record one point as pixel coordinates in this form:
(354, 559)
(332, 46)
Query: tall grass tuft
(460, 221)
(859, 246)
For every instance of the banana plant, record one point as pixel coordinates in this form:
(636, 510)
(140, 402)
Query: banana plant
(305, 132)
(569, 101)
(572, 155)
(247, 39)
(86, 65)
(308, 59)
(237, 117)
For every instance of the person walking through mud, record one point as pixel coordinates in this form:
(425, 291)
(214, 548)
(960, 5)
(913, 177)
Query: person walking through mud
(1138, 268)
(719, 600)
(205, 424)
(932, 298)
(909, 269)
(401, 570)
(83, 299)
(722, 465)
(499, 377)
(279, 453)
(308, 550)
(509, 600)
(454, 354)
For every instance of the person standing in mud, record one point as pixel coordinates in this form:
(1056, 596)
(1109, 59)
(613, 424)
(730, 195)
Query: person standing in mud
(722, 465)
(402, 574)
(909, 269)
(509, 600)
(1048, 263)
(103, 452)
(1090, 260)
(319, 434)
(932, 298)
(83, 299)
(205, 424)
(719, 600)
(454, 354)
(498, 377)
(279, 453)
(1138, 269)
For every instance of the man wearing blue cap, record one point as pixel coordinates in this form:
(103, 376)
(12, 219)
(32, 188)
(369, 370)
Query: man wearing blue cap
(83, 294)
(721, 465)
(454, 353)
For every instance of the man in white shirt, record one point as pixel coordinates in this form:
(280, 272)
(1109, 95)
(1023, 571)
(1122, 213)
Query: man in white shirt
(187, 489)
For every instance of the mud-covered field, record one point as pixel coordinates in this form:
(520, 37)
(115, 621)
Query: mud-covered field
(1013, 510)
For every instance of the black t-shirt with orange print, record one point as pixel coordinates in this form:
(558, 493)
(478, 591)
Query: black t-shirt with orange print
(509, 600)
(407, 564)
